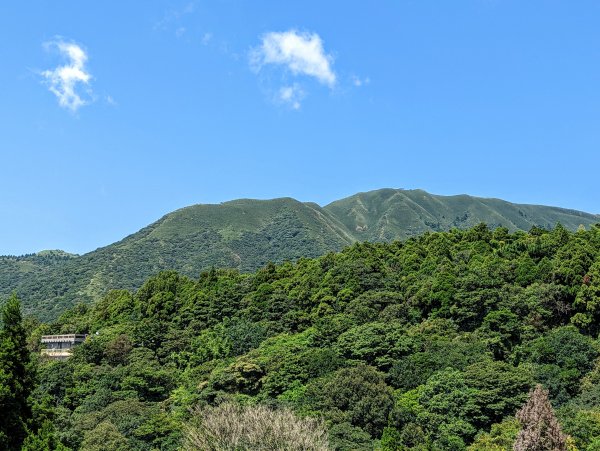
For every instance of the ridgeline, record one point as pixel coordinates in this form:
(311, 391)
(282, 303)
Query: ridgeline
(246, 234)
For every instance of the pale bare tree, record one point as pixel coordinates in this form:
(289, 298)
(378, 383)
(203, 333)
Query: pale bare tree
(540, 430)
(232, 427)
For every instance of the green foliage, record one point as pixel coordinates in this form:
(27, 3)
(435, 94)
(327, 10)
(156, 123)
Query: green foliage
(500, 438)
(105, 436)
(501, 388)
(376, 343)
(587, 301)
(443, 410)
(582, 425)
(16, 377)
(44, 440)
(561, 358)
(428, 344)
(436, 351)
(502, 331)
(357, 395)
(345, 437)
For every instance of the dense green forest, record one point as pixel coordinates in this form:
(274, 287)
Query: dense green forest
(432, 343)
(246, 234)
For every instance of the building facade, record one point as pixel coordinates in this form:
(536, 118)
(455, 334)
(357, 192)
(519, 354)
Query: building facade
(60, 347)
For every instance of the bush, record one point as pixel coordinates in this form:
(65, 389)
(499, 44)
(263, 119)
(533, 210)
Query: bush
(230, 426)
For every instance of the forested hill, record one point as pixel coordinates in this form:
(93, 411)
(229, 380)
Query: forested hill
(426, 344)
(246, 234)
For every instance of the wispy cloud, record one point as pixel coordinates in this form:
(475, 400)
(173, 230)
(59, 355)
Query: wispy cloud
(358, 82)
(65, 80)
(173, 16)
(206, 38)
(301, 53)
(291, 95)
(179, 22)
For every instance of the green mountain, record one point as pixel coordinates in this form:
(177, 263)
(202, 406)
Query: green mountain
(390, 214)
(246, 234)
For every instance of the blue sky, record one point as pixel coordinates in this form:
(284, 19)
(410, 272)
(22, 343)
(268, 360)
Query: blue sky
(114, 113)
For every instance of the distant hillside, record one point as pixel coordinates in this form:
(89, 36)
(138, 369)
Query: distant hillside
(246, 234)
(19, 271)
(390, 214)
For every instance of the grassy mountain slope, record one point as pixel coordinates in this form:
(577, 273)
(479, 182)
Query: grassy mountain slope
(243, 234)
(246, 234)
(389, 214)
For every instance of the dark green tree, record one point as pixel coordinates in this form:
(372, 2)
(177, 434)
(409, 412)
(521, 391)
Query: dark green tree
(357, 395)
(16, 377)
(588, 301)
(44, 440)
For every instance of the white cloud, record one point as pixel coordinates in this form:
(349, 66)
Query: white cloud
(64, 81)
(291, 95)
(301, 53)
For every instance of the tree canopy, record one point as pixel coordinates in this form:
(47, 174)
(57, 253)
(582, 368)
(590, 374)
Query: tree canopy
(430, 343)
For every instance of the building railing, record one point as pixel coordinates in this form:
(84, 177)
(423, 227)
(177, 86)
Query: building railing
(69, 338)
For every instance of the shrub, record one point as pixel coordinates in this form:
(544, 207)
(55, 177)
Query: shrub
(230, 426)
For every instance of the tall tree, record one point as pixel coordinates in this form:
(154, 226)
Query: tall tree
(16, 377)
(540, 428)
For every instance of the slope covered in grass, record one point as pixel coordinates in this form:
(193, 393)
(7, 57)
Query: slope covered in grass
(390, 214)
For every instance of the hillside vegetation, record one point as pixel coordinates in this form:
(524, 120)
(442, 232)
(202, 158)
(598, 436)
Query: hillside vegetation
(391, 214)
(428, 344)
(246, 234)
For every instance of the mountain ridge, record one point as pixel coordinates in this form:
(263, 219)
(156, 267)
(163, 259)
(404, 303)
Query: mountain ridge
(245, 234)
(427, 211)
